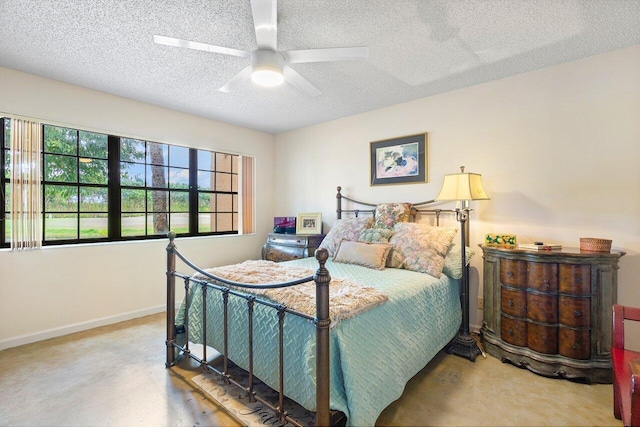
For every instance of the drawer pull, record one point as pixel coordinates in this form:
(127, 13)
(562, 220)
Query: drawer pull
(510, 303)
(578, 279)
(510, 332)
(509, 273)
(577, 345)
(577, 313)
(546, 284)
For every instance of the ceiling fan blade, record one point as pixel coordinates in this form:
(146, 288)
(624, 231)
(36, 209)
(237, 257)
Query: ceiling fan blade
(300, 82)
(236, 80)
(324, 55)
(170, 41)
(265, 20)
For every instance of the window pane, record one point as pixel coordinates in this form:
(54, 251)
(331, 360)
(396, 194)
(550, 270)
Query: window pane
(94, 171)
(93, 145)
(7, 198)
(179, 156)
(224, 222)
(223, 162)
(7, 164)
(132, 150)
(235, 222)
(157, 201)
(205, 180)
(133, 225)
(225, 203)
(223, 182)
(179, 201)
(60, 168)
(60, 226)
(157, 154)
(206, 223)
(234, 164)
(60, 198)
(93, 226)
(157, 176)
(132, 200)
(157, 223)
(7, 228)
(205, 160)
(234, 183)
(60, 140)
(93, 199)
(206, 202)
(178, 178)
(132, 174)
(180, 223)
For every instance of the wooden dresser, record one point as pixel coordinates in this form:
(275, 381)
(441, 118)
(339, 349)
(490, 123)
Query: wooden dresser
(285, 247)
(551, 311)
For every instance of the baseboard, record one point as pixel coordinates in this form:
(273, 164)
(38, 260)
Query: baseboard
(78, 327)
(474, 328)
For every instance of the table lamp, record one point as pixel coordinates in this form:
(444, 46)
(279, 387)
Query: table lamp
(463, 187)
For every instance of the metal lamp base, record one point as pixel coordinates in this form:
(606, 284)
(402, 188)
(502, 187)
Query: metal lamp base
(464, 345)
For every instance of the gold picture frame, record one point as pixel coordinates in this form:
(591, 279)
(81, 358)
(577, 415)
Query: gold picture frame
(309, 223)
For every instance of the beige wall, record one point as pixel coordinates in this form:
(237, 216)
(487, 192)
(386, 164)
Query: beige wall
(63, 289)
(558, 150)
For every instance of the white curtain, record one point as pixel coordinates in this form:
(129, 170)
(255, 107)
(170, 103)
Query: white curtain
(26, 196)
(248, 196)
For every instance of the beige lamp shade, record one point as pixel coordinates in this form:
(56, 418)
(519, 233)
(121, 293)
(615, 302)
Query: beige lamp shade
(462, 186)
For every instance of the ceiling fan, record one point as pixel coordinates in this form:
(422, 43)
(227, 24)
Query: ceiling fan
(269, 66)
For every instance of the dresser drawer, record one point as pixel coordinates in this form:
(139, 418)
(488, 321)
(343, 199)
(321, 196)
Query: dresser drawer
(290, 239)
(542, 307)
(514, 331)
(514, 302)
(575, 279)
(574, 343)
(574, 311)
(542, 338)
(542, 276)
(513, 273)
(279, 253)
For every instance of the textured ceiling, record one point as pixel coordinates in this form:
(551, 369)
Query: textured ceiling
(417, 48)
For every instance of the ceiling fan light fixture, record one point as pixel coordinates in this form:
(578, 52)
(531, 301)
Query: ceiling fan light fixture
(267, 67)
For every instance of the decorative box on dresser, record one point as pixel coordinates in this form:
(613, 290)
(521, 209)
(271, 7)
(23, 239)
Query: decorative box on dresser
(285, 247)
(551, 311)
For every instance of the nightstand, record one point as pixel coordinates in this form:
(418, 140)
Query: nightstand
(284, 247)
(550, 311)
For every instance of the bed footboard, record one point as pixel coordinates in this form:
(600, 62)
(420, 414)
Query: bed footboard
(322, 322)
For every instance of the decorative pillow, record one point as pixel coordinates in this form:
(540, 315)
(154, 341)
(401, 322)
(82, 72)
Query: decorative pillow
(420, 247)
(452, 265)
(388, 214)
(344, 229)
(371, 255)
(375, 235)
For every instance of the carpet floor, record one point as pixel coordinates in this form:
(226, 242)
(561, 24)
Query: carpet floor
(115, 376)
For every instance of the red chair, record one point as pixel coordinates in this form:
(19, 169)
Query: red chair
(626, 369)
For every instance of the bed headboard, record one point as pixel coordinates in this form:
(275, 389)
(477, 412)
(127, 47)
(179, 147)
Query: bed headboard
(370, 209)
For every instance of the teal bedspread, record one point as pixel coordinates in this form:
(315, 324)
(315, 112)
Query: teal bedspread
(373, 355)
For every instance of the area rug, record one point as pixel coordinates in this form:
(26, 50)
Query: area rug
(238, 405)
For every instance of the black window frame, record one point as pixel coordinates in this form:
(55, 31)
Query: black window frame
(114, 189)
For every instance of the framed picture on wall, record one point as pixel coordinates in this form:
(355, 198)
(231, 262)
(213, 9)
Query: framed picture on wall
(400, 160)
(309, 223)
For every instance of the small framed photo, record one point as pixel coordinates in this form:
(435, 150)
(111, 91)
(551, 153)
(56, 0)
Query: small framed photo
(309, 223)
(400, 160)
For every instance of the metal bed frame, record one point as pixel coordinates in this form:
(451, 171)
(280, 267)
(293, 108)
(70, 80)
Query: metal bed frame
(322, 278)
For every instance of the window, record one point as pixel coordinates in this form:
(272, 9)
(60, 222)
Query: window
(75, 184)
(99, 187)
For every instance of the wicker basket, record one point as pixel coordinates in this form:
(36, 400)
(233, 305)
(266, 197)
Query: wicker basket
(591, 244)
